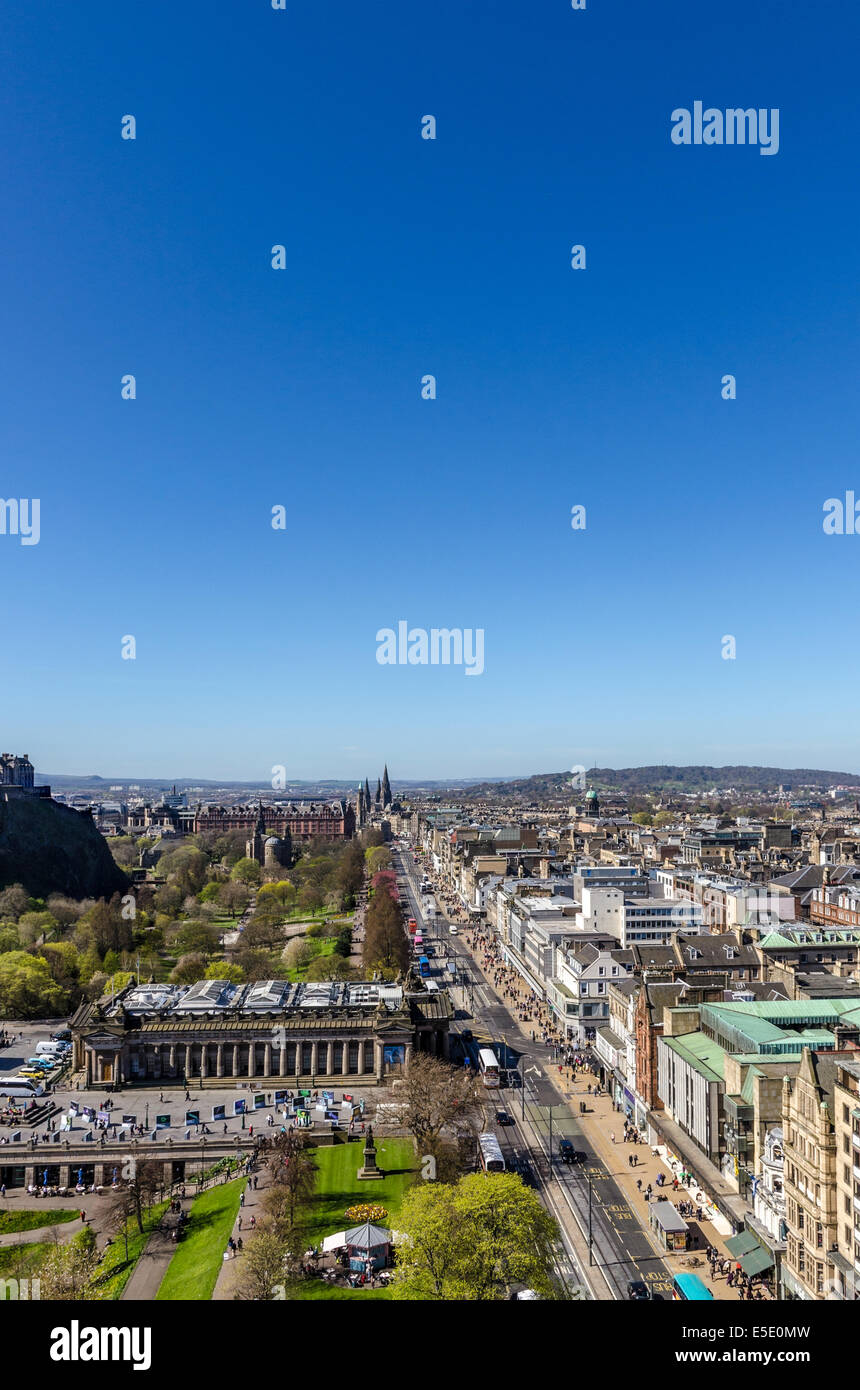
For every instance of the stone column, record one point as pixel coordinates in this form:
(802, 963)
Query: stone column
(361, 1056)
(235, 1059)
(204, 1060)
(407, 1056)
(378, 1060)
(283, 1057)
(315, 1047)
(172, 1056)
(89, 1062)
(188, 1060)
(219, 1060)
(329, 1059)
(267, 1059)
(252, 1061)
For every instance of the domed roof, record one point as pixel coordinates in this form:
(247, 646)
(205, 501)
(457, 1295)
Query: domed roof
(591, 794)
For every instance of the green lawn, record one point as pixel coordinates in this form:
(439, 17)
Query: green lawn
(115, 1270)
(193, 1271)
(23, 1261)
(337, 1188)
(31, 1218)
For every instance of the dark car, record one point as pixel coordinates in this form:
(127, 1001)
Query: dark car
(466, 1034)
(638, 1291)
(519, 1164)
(504, 1118)
(569, 1154)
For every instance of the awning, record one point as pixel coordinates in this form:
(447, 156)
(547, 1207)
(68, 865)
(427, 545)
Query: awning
(334, 1242)
(757, 1261)
(742, 1244)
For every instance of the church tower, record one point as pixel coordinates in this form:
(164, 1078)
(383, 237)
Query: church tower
(378, 792)
(255, 847)
(360, 808)
(386, 787)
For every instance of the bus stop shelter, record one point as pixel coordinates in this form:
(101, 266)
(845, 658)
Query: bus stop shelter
(668, 1225)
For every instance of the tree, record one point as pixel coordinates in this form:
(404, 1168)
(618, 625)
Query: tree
(474, 1241)
(142, 1187)
(299, 953)
(294, 1173)
(385, 941)
(436, 1096)
(377, 858)
(68, 1271)
(220, 970)
(13, 901)
(27, 988)
(247, 871)
(331, 968)
(233, 897)
(189, 969)
(264, 1266)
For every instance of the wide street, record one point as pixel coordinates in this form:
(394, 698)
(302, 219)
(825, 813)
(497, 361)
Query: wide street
(621, 1249)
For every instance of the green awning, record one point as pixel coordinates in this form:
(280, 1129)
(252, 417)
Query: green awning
(757, 1261)
(742, 1244)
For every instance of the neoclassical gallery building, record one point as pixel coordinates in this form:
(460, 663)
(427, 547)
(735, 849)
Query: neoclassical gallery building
(215, 1031)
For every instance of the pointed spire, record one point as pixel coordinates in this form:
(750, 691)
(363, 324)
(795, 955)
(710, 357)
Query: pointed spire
(386, 788)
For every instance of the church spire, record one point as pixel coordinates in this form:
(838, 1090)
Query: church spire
(386, 788)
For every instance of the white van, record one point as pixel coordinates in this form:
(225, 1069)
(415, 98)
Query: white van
(52, 1049)
(21, 1088)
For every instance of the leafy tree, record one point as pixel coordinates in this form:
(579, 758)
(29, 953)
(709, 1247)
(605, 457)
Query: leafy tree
(27, 988)
(474, 1241)
(9, 939)
(221, 970)
(247, 871)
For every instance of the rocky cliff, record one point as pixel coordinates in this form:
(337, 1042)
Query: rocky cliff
(52, 849)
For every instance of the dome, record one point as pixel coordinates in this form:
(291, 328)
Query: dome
(591, 794)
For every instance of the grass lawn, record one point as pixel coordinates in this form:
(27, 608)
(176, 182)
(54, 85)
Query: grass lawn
(115, 1270)
(23, 1261)
(193, 1271)
(30, 1218)
(337, 1188)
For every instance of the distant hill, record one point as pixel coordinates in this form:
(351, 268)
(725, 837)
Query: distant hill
(53, 849)
(698, 778)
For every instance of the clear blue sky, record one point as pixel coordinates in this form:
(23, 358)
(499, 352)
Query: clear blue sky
(257, 647)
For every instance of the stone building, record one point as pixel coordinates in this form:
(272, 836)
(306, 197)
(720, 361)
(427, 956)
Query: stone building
(346, 1032)
(810, 1176)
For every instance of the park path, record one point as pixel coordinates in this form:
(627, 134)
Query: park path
(225, 1286)
(151, 1268)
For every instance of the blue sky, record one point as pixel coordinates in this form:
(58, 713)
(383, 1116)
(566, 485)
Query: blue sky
(258, 387)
